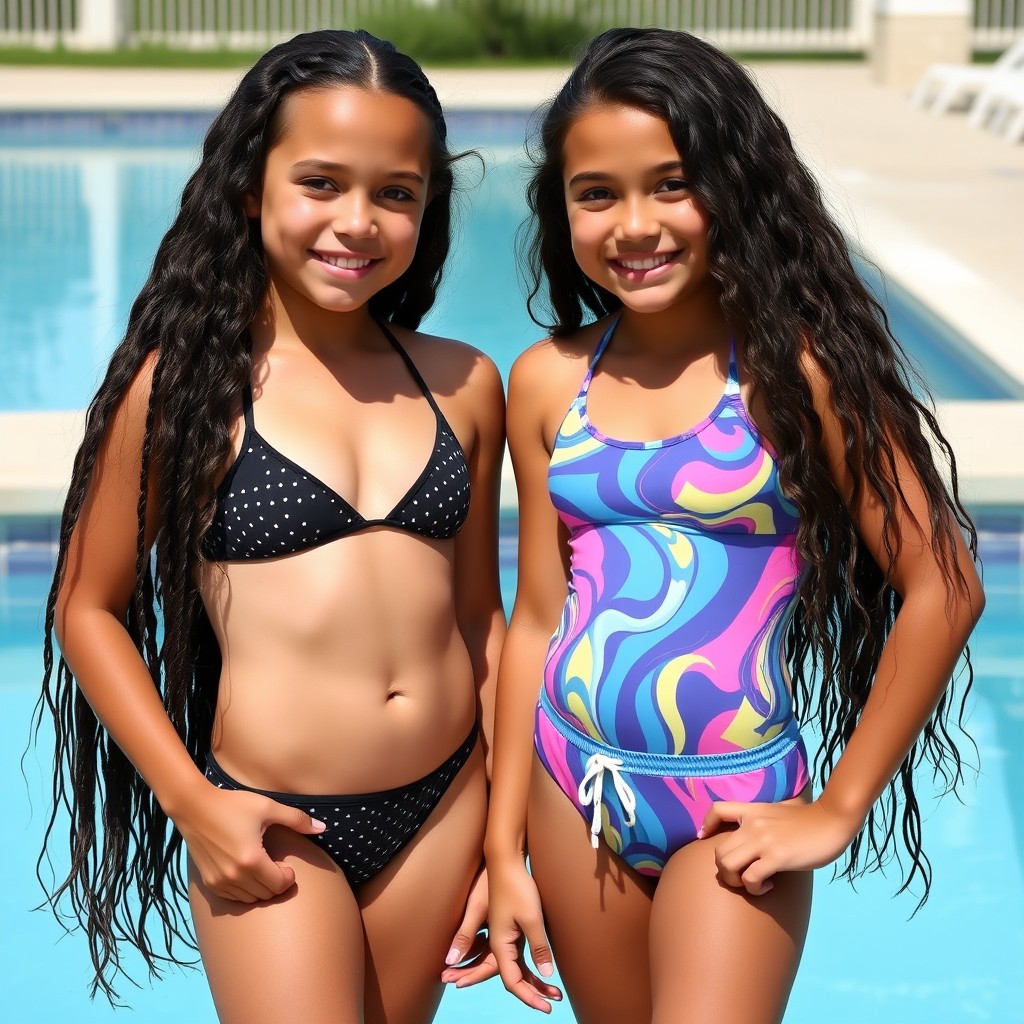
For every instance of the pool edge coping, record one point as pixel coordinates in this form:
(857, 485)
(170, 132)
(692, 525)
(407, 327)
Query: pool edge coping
(34, 474)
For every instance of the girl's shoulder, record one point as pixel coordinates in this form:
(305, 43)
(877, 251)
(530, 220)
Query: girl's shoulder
(446, 364)
(551, 366)
(462, 379)
(546, 378)
(822, 387)
(133, 406)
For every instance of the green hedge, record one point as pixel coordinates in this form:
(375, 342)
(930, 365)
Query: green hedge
(474, 29)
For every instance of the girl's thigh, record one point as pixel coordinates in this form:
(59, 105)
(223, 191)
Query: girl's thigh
(298, 957)
(597, 911)
(718, 954)
(412, 909)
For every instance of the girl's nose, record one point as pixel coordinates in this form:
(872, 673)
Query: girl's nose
(637, 221)
(354, 216)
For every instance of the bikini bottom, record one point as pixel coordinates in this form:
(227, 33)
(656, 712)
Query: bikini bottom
(648, 806)
(365, 831)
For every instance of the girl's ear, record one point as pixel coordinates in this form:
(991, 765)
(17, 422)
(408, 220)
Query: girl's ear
(252, 205)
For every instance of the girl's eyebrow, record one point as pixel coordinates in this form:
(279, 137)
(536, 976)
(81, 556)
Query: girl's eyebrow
(330, 167)
(668, 165)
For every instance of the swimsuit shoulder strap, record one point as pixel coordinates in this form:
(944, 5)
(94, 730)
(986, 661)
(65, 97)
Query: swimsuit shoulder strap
(247, 406)
(598, 352)
(247, 390)
(411, 366)
(732, 385)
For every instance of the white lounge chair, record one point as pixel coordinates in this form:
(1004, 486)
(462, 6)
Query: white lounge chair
(997, 103)
(1007, 103)
(944, 86)
(1015, 129)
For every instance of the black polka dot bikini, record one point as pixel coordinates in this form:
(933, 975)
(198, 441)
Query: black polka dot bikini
(364, 832)
(270, 507)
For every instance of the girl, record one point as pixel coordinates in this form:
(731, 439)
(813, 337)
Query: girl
(729, 471)
(301, 460)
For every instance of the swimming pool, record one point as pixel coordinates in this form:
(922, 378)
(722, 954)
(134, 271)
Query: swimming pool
(957, 960)
(83, 200)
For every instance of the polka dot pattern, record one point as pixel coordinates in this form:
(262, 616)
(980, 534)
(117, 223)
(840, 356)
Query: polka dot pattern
(365, 832)
(269, 506)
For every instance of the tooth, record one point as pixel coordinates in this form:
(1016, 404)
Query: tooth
(346, 263)
(649, 263)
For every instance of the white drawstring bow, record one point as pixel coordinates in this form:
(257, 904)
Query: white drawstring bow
(592, 788)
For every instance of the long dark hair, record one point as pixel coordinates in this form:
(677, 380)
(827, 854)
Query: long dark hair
(126, 879)
(784, 273)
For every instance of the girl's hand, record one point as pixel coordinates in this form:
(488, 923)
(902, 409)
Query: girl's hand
(768, 838)
(470, 960)
(223, 830)
(516, 920)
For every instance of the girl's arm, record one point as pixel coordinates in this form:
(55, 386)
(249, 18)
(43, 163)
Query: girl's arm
(223, 835)
(541, 591)
(920, 654)
(478, 608)
(481, 620)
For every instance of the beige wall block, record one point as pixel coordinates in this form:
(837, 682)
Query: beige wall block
(905, 44)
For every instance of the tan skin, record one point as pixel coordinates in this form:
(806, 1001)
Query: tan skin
(352, 667)
(718, 937)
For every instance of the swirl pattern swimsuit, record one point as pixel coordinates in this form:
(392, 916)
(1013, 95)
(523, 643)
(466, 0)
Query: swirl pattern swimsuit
(665, 684)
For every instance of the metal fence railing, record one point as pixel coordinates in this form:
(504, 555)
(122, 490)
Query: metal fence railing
(768, 25)
(750, 24)
(37, 22)
(248, 24)
(996, 23)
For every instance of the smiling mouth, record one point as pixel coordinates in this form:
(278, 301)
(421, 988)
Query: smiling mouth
(344, 262)
(645, 262)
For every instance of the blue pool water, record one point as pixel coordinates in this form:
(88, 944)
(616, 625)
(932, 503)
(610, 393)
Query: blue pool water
(83, 201)
(85, 198)
(957, 961)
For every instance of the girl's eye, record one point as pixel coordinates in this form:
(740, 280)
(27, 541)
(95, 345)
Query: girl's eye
(674, 185)
(397, 194)
(596, 195)
(318, 184)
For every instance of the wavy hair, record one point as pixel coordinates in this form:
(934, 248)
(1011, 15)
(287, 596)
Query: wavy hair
(784, 274)
(126, 882)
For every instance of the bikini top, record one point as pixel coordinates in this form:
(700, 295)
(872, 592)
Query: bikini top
(269, 506)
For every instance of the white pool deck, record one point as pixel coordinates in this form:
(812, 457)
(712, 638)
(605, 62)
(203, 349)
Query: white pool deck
(936, 203)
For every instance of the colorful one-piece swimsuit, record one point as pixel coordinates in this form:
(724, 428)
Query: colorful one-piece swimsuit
(665, 684)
